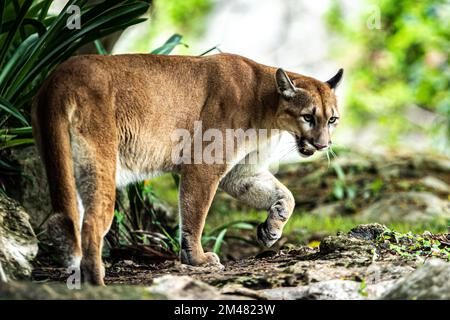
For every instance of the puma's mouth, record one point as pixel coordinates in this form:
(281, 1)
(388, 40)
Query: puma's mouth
(304, 147)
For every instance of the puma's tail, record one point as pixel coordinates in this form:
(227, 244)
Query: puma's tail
(51, 131)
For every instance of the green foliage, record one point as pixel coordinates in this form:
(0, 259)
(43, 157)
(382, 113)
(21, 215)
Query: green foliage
(185, 14)
(402, 64)
(176, 16)
(140, 223)
(411, 245)
(218, 235)
(362, 288)
(33, 43)
(342, 189)
(169, 45)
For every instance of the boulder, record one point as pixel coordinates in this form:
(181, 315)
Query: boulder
(33, 193)
(326, 290)
(186, 288)
(435, 184)
(167, 287)
(409, 207)
(18, 243)
(59, 291)
(431, 281)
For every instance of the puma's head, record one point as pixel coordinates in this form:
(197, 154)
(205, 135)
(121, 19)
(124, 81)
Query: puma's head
(308, 110)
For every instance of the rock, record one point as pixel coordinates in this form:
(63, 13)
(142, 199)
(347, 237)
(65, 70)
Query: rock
(346, 245)
(34, 192)
(367, 231)
(376, 290)
(186, 288)
(59, 291)
(431, 281)
(328, 210)
(164, 287)
(325, 290)
(436, 184)
(409, 207)
(18, 243)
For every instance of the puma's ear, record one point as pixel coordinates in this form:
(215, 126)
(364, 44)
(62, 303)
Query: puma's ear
(285, 86)
(336, 79)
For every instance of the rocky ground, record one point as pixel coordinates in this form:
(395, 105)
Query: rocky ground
(363, 264)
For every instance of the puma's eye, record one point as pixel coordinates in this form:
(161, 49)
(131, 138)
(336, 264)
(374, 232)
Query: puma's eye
(308, 117)
(332, 120)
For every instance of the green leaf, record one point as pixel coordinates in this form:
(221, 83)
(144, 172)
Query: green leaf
(16, 131)
(16, 143)
(44, 10)
(11, 110)
(219, 241)
(169, 45)
(16, 26)
(16, 60)
(210, 50)
(9, 167)
(100, 48)
(339, 172)
(241, 225)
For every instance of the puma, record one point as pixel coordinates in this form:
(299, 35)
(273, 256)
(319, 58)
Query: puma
(101, 122)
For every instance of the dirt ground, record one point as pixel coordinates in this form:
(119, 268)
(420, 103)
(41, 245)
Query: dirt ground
(358, 259)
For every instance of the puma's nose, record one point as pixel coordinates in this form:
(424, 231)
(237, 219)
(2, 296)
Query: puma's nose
(319, 146)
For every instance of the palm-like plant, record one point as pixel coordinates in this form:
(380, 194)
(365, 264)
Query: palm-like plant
(33, 43)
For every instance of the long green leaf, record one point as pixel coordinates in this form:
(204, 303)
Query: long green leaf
(239, 224)
(169, 45)
(15, 60)
(2, 11)
(10, 109)
(16, 131)
(100, 48)
(36, 24)
(17, 23)
(219, 241)
(44, 10)
(5, 165)
(16, 143)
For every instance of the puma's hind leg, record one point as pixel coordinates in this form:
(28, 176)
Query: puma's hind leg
(95, 181)
(261, 190)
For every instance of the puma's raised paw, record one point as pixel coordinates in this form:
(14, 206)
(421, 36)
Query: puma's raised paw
(265, 237)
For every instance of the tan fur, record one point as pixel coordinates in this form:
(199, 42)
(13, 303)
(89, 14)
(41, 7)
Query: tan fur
(102, 120)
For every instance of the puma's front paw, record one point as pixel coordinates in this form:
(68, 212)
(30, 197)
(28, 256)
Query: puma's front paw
(265, 236)
(208, 259)
(212, 261)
